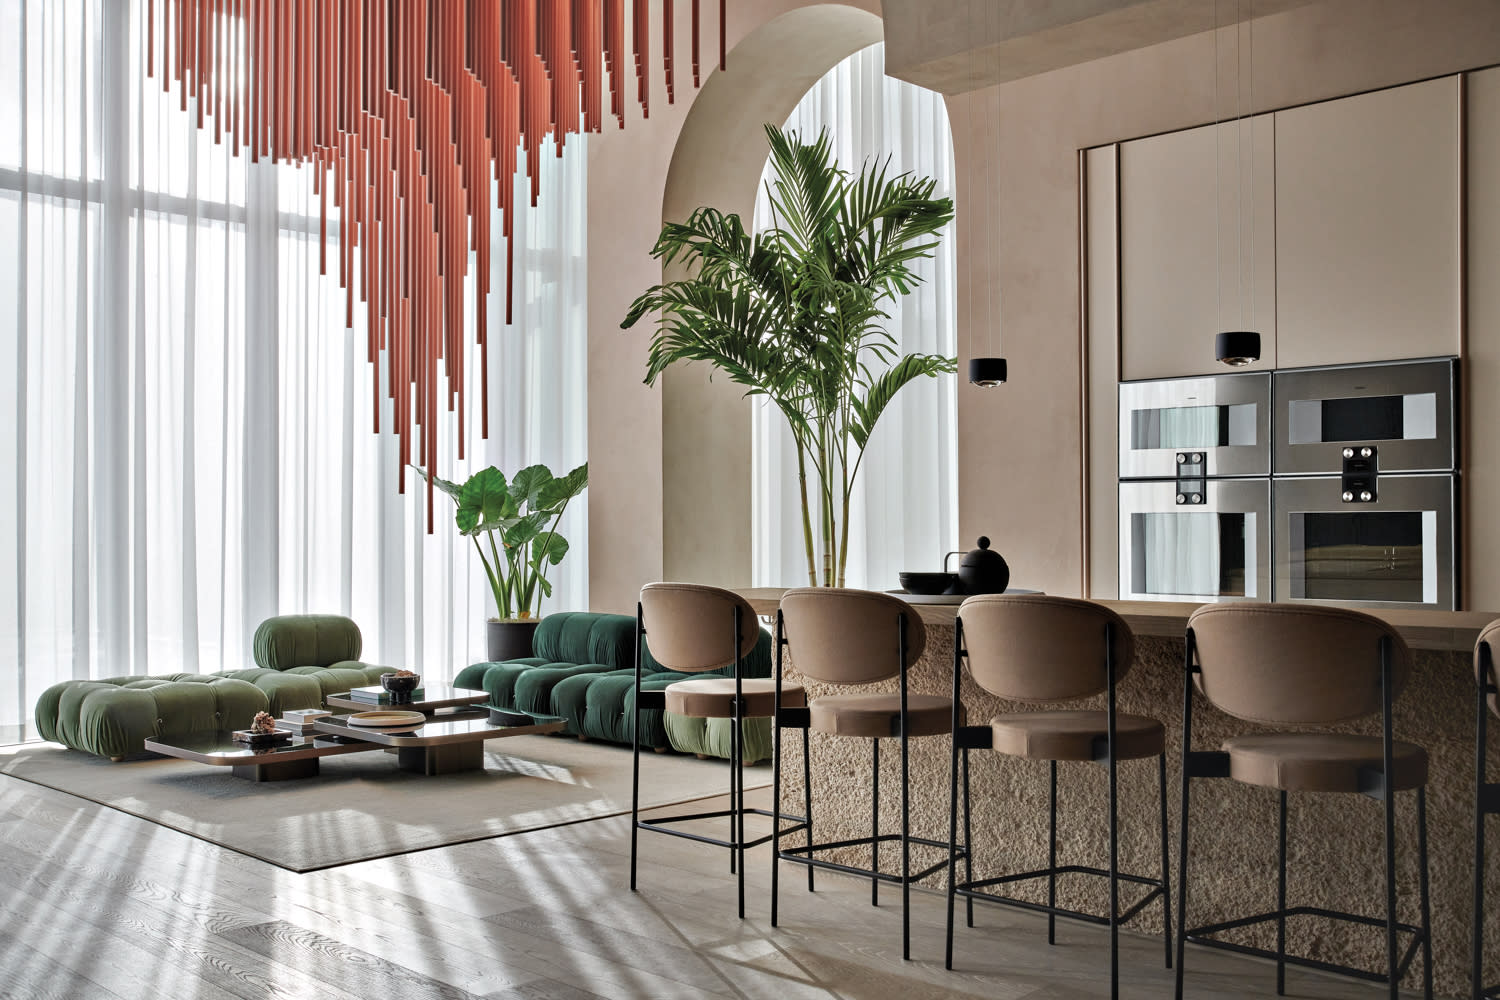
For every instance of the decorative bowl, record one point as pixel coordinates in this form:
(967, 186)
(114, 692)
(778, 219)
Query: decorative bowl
(926, 583)
(400, 687)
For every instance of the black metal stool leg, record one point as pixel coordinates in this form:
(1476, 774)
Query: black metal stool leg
(874, 822)
(968, 843)
(1390, 890)
(1166, 864)
(734, 800)
(1182, 871)
(807, 795)
(1052, 853)
(1281, 896)
(1426, 901)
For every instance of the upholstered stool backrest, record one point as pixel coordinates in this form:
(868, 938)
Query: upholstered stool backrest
(1489, 637)
(690, 627)
(1038, 648)
(843, 636)
(1293, 663)
(287, 641)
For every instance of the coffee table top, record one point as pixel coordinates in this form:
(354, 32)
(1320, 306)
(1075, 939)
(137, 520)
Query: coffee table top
(220, 748)
(434, 697)
(436, 731)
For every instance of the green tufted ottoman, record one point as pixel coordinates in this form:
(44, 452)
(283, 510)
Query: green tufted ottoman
(112, 717)
(301, 659)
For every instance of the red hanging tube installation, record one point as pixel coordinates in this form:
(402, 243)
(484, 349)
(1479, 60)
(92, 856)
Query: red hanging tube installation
(406, 111)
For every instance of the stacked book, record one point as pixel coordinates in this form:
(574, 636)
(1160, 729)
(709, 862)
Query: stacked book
(300, 720)
(378, 695)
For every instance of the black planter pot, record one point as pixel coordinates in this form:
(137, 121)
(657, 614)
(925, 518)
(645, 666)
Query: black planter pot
(509, 640)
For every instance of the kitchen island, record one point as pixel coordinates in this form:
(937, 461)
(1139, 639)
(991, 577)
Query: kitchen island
(1334, 840)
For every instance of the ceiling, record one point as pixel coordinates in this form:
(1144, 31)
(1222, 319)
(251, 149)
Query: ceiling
(954, 46)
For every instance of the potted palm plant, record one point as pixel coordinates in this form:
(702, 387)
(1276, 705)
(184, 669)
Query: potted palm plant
(513, 526)
(795, 314)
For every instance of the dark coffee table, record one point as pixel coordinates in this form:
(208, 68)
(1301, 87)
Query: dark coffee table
(443, 744)
(294, 758)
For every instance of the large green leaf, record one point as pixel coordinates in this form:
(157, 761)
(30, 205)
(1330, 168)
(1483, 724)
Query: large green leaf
(483, 498)
(528, 484)
(549, 546)
(559, 491)
(452, 489)
(522, 530)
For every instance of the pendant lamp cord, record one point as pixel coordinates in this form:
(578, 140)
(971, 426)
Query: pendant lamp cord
(1218, 192)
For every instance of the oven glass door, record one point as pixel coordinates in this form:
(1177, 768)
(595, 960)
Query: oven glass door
(1226, 418)
(1395, 552)
(1405, 411)
(1218, 550)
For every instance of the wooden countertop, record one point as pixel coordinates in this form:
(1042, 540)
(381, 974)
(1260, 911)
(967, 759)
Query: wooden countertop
(1453, 631)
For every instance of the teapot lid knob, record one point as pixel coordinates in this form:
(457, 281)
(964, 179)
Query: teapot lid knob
(984, 541)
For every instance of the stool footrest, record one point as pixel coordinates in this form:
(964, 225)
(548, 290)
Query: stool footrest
(794, 718)
(655, 823)
(974, 890)
(803, 856)
(1197, 935)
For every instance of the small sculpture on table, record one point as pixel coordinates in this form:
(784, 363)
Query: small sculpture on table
(262, 731)
(400, 684)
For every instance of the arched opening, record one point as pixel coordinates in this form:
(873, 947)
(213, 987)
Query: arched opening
(717, 161)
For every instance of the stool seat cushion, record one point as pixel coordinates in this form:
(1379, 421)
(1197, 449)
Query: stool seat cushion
(1320, 762)
(1077, 735)
(876, 716)
(713, 697)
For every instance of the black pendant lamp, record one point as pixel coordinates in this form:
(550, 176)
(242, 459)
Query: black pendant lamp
(987, 371)
(1237, 347)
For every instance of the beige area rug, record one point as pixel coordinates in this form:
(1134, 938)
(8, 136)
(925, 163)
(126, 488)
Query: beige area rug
(362, 806)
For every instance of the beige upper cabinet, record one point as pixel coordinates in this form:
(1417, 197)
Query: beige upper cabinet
(1197, 246)
(1367, 227)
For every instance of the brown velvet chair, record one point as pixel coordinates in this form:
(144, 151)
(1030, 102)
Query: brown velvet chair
(851, 638)
(1045, 650)
(1304, 665)
(1486, 794)
(694, 629)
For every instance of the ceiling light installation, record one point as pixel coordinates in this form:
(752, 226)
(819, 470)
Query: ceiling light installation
(407, 111)
(1236, 348)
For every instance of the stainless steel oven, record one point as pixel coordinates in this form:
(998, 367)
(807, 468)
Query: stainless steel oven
(1224, 420)
(1394, 550)
(1207, 545)
(1404, 412)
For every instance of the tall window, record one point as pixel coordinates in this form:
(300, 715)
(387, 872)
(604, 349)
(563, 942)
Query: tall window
(187, 423)
(905, 508)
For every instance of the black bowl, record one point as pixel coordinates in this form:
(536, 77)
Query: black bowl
(927, 583)
(400, 687)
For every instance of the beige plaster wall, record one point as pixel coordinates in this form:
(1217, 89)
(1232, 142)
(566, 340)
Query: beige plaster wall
(1019, 472)
(669, 465)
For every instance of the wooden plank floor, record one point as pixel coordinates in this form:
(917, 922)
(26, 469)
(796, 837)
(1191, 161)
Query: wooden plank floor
(98, 904)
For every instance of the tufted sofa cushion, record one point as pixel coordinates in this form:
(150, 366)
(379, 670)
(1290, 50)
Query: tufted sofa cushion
(583, 672)
(112, 717)
(287, 641)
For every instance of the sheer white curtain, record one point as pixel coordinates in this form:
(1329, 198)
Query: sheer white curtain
(905, 509)
(187, 422)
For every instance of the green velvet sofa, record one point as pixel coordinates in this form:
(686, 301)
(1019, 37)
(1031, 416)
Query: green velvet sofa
(301, 659)
(583, 672)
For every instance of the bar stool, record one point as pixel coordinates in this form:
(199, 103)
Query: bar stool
(1301, 665)
(846, 638)
(1486, 795)
(694, 629)
(1045, 650)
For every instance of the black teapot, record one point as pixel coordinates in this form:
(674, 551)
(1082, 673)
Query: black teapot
(980, 571)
